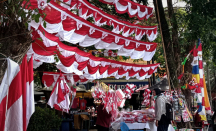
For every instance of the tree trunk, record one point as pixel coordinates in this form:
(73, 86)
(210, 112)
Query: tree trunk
(167, 43)
(15, 41)
(175, 41)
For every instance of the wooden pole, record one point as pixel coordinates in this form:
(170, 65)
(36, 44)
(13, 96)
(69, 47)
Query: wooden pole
(167, 69)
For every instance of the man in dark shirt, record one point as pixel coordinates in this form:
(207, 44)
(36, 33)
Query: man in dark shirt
(103, 119)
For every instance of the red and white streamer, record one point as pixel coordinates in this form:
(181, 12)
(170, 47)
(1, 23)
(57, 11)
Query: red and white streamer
(132, 8)
(50, 78)
(100, 18)
(71, 28)
(73, 60)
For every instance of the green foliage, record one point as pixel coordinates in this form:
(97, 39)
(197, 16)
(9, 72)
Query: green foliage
(44, 119)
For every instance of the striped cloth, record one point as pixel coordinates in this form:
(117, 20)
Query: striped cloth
(201, 90)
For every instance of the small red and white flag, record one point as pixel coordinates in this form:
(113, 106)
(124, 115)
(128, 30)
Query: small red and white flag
(59, 98)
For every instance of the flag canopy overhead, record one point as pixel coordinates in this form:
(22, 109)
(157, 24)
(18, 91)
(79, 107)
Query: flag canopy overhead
(73, 29)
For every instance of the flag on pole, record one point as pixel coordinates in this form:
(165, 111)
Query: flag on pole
(205, 100)
(14, 102)
(11, 104)
(201, 91)
(30, 103)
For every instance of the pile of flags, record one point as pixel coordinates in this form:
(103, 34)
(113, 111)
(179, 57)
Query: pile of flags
(17, 96)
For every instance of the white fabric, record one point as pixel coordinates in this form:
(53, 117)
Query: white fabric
(201, 73)
(30, 103)
(89, 41)
(80, 58)
(132, 11)
(200, 55)
(152, 37)
(15, 115)
(10, 73)
(125, 52)
(195, 61)
(140, 13)
(120, 7)
(47, 42)
(65, 52)
(53, 28)
(152, 126)
(137, 54)
(36, 64)
(70, 69)
(148, 55)
(133, 126)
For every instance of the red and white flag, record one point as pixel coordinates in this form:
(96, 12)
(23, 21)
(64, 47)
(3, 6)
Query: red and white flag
(30, 103)
(59, 98)
(13, 101)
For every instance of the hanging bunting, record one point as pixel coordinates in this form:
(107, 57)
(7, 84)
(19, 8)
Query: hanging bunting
(130, 7)
(73, 29)
(100, 18)
(50, 78)
(73, 60)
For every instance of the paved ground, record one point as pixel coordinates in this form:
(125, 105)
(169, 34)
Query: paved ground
(93, 130)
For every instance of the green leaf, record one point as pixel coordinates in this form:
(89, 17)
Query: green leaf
(40, 39)
(44, 24)
(9, 1)
(13, 9)
(37, 17)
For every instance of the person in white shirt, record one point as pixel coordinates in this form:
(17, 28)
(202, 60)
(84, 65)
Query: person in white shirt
(162, 122)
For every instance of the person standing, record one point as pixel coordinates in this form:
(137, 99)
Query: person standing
(162, 122)
(103, 118)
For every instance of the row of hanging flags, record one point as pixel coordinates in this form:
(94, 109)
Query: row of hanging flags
(17, 95)
(198, 84)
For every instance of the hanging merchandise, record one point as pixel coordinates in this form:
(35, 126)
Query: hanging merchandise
(130, 7)
(100, 18)
(82, 104)
(71, 28)
(146, 96)
(129, 90)
(181, 103)
(59, 98)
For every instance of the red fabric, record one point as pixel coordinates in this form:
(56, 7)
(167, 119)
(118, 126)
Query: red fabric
(75, 103)
(103, 118)
(60, 93)
(83, 104)
(24, 70)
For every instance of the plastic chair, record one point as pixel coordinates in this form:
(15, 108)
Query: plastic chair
(124, 127)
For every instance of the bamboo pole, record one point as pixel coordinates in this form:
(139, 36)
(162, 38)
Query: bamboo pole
(167, 69)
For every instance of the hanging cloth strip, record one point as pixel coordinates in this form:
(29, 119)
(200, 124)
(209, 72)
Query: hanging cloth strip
(74, 29)
(132, 8)
(100, 18)
(71, 59)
